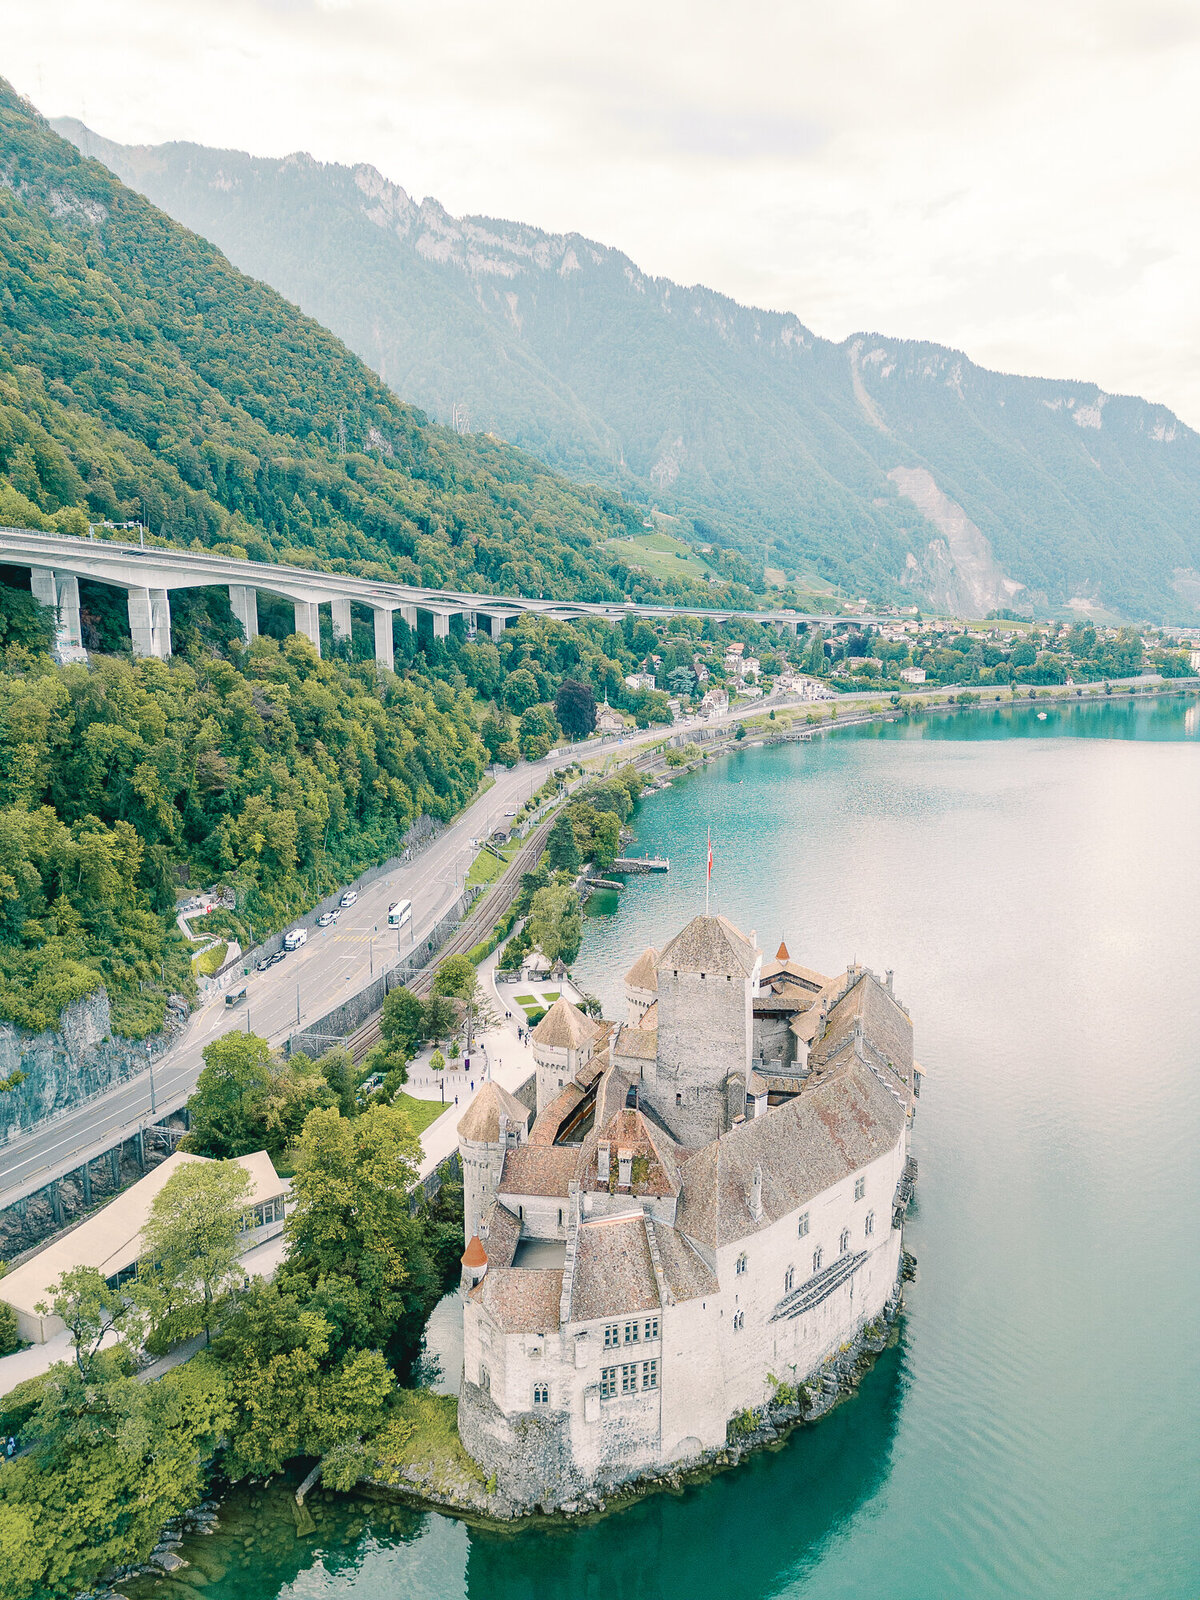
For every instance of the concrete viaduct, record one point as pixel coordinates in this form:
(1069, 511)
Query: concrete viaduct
(148, 574)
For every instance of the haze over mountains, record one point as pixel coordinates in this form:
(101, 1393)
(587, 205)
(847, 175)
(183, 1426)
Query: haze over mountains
(888, 466)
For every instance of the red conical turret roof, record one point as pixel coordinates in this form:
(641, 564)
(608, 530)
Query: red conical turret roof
(475, 1255)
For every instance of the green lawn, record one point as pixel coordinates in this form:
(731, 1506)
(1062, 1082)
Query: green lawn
(527, 999)
(486, 867)
(661, 555)
(420, 1112)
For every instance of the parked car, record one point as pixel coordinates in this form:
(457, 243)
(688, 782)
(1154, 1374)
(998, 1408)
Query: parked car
(348, 899)
(326, 919)
(277, 958)
(267, 961)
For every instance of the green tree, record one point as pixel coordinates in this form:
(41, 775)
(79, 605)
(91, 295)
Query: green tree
(354, 1247)
(438, 1017)
(536, 732)
(521, 690)
(402, 1021)
(556, 923)
(562, 847)
(192, 1242)
(226, 1109)
(457, 977)
(90, 1311)
(495, 732)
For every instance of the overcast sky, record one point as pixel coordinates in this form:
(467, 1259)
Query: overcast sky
(1020, 180)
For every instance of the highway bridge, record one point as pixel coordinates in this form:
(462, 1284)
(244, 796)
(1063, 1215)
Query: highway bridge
(149, 572)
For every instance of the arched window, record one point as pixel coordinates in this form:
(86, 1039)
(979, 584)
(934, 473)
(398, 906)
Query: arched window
(739, 1321)
(844, 1241)
(817, 1255)
(789, 1279)
(485, 1380)
(869, 1224)
(740, 1265)
(541, 1394)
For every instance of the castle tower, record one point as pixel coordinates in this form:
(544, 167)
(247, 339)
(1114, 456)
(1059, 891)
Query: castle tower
(492, 1124)
(706, 977)
(641, 986)
(562, 1042)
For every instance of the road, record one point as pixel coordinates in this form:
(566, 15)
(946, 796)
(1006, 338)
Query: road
(334, 963)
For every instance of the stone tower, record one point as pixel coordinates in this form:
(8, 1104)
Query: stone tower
(641, 987)
(494, 1123)
(562, 1042)
(706, 977)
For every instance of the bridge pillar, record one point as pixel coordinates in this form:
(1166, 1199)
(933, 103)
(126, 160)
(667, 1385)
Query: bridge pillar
(45, 591)
(497, 624)
(114, 1165)
(408, 615)
(341, 617)
(71, 632)
(308, 622)
(87, 1184)
(150, 622)
(384, 647)
(441, 624)
(243, 602)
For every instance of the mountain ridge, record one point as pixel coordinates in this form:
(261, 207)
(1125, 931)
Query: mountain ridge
(741, 419)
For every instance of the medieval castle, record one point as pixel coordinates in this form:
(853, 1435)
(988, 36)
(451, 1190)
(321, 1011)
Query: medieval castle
(709, 1202)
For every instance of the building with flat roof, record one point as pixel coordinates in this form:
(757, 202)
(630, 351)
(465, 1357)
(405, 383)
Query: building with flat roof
(111, 1240)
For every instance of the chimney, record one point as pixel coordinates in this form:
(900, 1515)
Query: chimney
(624, 1169)
(602, 1161)
(504, 1130)
(756, 1209)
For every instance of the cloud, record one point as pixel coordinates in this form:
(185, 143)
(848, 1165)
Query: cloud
(1016, 181)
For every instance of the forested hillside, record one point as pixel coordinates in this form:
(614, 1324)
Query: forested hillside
(141, 375)
(887, 466)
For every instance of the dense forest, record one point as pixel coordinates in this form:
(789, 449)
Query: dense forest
(744, 420)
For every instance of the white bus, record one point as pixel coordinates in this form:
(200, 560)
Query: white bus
(400, 913)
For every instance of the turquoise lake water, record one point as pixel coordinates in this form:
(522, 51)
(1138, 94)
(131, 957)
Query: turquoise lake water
(1035, 1434)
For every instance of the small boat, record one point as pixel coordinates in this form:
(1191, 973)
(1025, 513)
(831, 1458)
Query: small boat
(1041, 716)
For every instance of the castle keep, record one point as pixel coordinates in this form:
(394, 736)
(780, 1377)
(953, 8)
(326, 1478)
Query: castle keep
(709, 1201)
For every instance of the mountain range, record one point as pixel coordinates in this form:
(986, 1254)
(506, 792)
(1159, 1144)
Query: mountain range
(888, 466)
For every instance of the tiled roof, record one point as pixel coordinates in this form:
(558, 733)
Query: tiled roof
(805, 1146)
(641, 974)
(539, 1169)
(687, 1273)
(552, 1116)
(641, 1044)
(521, 1299)
(886, 1028)
(474, 1255)
(501, 1228)
(629, 1129)
(710, 944)
(565, 1027)
(480, 1122)
(614, 1271)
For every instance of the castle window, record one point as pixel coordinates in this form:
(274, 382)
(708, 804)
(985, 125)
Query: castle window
(844, 1241)
(802, 1225)
(739, 1321)
(860, 1188)
(485, 1380)
(608, 1382)
(652, 1327)
(521, 1213)
(560, 1216)
(740, 1265)
(678, 1098)
(789, 1280)
(611, 1335)
(629, 1378)
(817, 1256)
(649, 1374)
(633, 1332)
(541, 1394)
(869, 1224)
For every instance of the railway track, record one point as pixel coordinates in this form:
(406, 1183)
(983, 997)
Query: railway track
(482, 918)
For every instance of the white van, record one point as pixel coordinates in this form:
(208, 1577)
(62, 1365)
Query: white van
(295, 938)
(400, 913)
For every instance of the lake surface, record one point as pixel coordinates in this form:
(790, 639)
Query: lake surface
(1035, 1435)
